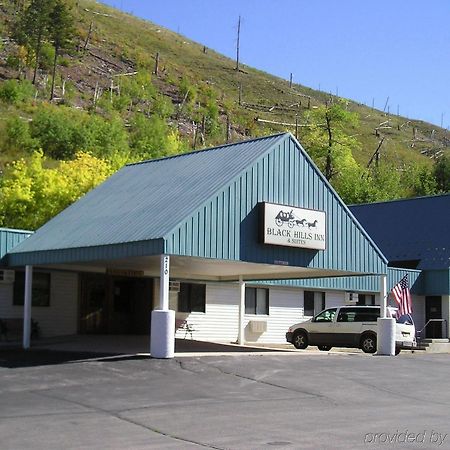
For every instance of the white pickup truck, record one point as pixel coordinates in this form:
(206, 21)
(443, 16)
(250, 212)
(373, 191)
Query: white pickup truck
(350, 326)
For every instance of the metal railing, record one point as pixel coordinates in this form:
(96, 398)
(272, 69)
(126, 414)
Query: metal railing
(444, 329)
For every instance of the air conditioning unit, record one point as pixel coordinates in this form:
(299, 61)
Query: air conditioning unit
(258, 326)
(7, 276)
(174, 286)
(351, 297)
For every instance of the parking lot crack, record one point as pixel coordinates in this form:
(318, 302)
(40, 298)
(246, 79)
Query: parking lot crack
(118, 415)
(267, 383)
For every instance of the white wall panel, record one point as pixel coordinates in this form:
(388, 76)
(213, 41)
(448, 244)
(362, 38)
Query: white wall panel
(60, 318)
(220, 321)
(334, 298)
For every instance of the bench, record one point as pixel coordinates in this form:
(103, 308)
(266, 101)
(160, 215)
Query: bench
(12, 328)
(182, 324)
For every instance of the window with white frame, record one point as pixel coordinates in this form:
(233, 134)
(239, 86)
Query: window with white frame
(257, 301)
(313, 303)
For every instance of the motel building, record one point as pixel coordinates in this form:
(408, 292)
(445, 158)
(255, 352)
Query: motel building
(240, 241)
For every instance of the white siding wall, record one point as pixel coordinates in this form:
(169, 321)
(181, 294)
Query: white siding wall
(334, 298)
(285, 309)
(60, 318)
(220, 321)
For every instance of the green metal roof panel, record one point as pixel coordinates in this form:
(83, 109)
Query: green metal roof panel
(144, 201)
(226, 225)
(366, 284)
(205, 204)
(10, 238)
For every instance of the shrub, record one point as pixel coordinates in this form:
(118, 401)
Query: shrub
(18, 135)
(62, 131)
(14, 91)
(152, 138)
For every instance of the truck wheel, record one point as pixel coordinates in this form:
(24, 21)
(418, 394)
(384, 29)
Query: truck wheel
(300, 340)
(368, 343)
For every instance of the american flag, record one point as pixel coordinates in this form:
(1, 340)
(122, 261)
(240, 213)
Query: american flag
(402, 296)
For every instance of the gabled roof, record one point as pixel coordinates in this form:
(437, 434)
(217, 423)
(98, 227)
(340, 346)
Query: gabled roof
(144, 201)
(410, 232)
(206, 205)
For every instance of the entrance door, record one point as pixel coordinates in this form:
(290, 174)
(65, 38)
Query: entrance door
(93, 304)
(433, 310)
(115, 305)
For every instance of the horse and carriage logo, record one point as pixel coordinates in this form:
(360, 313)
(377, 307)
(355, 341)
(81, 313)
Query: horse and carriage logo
(292, 220)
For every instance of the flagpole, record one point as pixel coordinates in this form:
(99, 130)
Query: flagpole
(383, 296)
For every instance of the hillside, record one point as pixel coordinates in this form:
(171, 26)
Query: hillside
(145, 91)
(120, 43)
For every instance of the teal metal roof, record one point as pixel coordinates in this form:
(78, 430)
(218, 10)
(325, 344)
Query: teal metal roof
(144, 201)
(361, 284)
(10, 238)
(205, 204)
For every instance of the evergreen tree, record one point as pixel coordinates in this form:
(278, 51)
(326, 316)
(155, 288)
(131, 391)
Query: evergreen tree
(61, 33)
(32, 27)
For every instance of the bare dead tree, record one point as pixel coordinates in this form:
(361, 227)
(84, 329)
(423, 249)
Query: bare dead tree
(88, 37)
(237, 44)
(376, 155)
(156, 64)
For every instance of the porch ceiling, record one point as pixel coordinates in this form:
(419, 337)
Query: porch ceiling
(190, 268)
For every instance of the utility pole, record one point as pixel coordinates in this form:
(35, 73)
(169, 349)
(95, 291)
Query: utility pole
(290, 81)
(237, 44)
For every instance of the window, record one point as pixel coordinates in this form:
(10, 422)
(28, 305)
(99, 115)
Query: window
(40, 291)
(358, 315)
(257, 301)
(326, 316)
(192, 297)
(366, 299)
(313, 303)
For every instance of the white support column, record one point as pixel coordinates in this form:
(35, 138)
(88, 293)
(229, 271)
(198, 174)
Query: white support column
(241, 335)
(162, 336)
(164, 283)
(27, 306)
(386, 325)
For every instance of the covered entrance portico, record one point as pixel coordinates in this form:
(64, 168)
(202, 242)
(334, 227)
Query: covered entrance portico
(257, 210)
(112, 303)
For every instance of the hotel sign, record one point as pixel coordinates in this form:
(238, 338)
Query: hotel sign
(294, 227)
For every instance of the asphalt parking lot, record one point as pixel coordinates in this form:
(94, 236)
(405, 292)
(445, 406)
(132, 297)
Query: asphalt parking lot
(297, 400)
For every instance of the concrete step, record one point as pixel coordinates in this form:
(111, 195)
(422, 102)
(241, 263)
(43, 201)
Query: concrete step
(434, 341)
(435, 345)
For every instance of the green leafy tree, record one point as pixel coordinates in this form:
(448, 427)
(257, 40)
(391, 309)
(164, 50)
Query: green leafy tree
(62, 131)
(31, 194)
(152, 138)
(442, 174)
(328, 141)
(419, 181)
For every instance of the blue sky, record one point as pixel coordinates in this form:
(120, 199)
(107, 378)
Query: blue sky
(363, 50)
